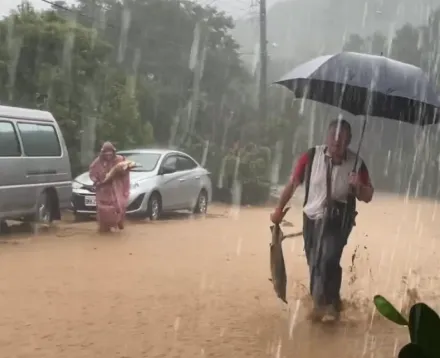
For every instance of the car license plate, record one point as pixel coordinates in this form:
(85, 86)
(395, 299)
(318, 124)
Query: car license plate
(90, 201)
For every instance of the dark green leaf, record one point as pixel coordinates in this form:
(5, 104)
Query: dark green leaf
(412, 350)
(424, 328)
(387, 310)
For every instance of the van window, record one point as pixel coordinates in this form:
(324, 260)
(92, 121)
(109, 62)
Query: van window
(9, 145)
(39, 140)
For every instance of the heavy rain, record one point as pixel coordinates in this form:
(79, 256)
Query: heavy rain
(175, 134)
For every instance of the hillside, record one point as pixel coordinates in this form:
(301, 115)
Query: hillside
(305, 28)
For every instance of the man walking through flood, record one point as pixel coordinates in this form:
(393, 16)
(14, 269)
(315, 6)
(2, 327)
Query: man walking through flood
(332, 188)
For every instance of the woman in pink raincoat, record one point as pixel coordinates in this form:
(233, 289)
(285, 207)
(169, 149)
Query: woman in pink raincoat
(111, 195)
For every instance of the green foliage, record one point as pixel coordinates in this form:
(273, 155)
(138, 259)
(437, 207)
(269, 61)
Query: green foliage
(387, 310)
(423, 325)
(249, 165)
(121, 120)
(133, 73)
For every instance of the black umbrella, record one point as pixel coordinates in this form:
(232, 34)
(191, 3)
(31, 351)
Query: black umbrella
(367, 85)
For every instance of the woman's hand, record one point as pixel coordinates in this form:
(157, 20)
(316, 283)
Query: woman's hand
(97, 184)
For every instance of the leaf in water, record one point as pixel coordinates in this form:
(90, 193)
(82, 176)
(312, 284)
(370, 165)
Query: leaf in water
(387, 310)
(424, 328)
(412, 350)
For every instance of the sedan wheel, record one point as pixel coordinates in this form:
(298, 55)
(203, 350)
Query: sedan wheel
(154, 207)
(202, 203)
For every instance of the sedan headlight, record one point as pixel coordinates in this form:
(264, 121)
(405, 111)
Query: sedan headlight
(134, 186)
(76, 185)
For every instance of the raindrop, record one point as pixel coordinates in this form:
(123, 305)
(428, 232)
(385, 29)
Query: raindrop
(205, 153)
(177, 324)
(69, 43)
(294, 318)
(278, 353)
(137, 61)
(292, 246)
(239, 242)
(236, 199)
(268, 348)
(256, 60)
(221, 174)
(276, 164)
(396, 344)
(194, 54)
(126, 19)
(203, 282)
(366, 344)
(225, 131)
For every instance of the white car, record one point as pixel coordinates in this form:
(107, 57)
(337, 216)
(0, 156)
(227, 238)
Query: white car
(163, 181)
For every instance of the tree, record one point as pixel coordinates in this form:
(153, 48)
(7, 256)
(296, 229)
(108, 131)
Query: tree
(115, 71)
(160, 53)
(50, 63)
(120, 119)
(375, 44)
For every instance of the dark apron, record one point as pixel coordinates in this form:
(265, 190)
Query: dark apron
(324, 241)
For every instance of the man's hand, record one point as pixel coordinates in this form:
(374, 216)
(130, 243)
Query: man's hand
(278, 215)
(363, 192)
(354, 180)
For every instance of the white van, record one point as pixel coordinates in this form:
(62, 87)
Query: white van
(35, 175)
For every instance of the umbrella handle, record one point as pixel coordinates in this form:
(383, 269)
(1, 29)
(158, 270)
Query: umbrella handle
(364, 125)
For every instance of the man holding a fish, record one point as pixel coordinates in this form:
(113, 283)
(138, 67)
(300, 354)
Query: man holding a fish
(334, 179)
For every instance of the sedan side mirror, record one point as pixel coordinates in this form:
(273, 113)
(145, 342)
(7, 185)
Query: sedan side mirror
(166, 170)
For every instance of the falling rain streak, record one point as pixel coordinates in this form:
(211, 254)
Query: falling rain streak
(184, 75)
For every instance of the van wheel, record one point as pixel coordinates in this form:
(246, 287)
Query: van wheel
(44, 214)
(154, 206)
(202, 203)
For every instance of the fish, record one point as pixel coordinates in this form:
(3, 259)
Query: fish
(277, 265)
(118, 168)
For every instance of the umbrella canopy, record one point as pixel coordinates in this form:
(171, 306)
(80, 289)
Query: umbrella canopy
(367, 85)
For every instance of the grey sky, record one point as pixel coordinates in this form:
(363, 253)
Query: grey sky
(236, 8)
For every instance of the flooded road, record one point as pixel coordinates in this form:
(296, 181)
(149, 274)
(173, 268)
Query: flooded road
(199, 288)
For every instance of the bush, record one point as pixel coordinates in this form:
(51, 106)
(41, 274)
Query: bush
(255, 193)
(249, 166)
(423, 324)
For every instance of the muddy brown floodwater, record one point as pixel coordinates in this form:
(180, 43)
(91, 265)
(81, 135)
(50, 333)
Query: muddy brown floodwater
(199, 288)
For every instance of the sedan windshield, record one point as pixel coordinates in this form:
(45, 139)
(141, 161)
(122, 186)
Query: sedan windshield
(146, 162)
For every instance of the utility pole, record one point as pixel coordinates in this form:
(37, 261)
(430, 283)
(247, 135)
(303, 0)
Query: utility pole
(263, 63)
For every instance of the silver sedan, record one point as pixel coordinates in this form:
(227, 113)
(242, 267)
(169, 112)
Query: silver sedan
(163, 181)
